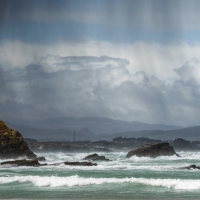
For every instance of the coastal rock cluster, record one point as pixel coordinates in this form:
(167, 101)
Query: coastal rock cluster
(12, 144)
(153, 150)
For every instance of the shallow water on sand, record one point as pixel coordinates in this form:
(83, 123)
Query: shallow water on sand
(130, 178)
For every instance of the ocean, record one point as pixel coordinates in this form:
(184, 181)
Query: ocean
(121, 178)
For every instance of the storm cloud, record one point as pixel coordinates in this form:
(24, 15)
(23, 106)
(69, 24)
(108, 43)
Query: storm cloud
(99, 86)
(127, 60)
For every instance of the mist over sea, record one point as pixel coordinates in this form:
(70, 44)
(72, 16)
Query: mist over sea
(121, 178)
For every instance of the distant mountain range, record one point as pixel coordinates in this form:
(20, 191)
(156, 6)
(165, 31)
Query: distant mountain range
(189, 133)
(60, 134)
(96, 125)
(95, 129)
(42, 134)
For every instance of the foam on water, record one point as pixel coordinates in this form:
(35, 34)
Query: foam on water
(139, 176)
(118, 156)
(71, 181)
(120, 162)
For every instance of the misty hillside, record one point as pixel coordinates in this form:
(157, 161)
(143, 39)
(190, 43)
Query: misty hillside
(190, 133)
(42, 134)
(96, 125)
(62, 134)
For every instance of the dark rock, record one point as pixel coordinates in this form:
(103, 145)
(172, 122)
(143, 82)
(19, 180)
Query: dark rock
(32, 163)
(153, 150)
(191, 167)
(80, 163)
(95, 157)
(15, 162)
(12, 144)
(24, 162)
(74, 164)
(35, 163)
(41, 159)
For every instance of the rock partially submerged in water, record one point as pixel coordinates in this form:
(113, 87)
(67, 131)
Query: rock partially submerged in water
(80, 163)
(153, 150)
(35, 163)
(12, 144)
(23, 162)
(96, 157)
(190, 167)
(74, 164)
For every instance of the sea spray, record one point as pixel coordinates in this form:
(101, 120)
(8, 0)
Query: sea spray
(117, 179)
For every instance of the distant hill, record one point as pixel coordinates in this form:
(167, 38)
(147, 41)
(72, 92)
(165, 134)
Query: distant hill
(61, 134)
(96, 125)
(128, 134)
(189, 133)
(42, 134)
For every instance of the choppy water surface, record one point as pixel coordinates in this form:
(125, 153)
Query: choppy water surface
(130, 178)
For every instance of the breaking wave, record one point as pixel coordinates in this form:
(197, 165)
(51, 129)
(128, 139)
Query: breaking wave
(71, 181)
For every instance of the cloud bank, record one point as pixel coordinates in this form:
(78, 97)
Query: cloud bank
(85, 86)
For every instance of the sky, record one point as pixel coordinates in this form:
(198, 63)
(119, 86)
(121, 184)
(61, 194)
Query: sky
(129, 60)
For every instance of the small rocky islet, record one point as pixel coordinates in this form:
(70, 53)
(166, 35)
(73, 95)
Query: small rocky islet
(13, 146)
(153, 150)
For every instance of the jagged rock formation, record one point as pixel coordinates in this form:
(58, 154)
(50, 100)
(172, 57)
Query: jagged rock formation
(95, 157)
(12, 144)
(153, 150)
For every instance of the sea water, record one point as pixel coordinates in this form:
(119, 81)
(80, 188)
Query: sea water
(121, 178)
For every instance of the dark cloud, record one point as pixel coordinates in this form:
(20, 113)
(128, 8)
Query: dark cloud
(69, 86)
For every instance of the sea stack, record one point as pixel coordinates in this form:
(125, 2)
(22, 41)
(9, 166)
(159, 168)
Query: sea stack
(153, 150)
(12, 144)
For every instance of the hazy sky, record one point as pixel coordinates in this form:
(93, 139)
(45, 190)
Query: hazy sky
(131, 60)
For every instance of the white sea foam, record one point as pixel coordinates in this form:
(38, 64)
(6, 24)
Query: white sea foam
(71, 181)
(119, 156)
(119, 162)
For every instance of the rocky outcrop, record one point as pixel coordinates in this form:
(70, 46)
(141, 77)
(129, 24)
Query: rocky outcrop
(95, 157)
(153, 150)
(12, 144)
(23, 162)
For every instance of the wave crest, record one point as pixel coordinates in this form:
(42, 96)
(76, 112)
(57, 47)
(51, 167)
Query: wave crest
(71, 181)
